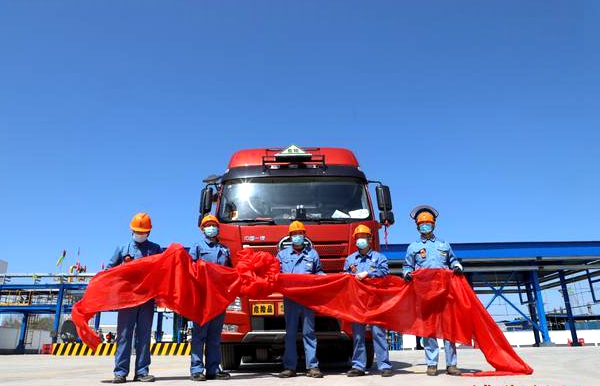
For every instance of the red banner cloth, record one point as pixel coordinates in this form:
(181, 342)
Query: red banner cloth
(436, 303)
(197, 290)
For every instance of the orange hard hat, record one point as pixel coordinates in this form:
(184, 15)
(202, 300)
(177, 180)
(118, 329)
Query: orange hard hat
(362, 229)
(141, 223)
(425, 216)
(209, 218)
(296, 226)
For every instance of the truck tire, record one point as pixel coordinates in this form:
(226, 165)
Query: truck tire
(370, 354)
(231, 356)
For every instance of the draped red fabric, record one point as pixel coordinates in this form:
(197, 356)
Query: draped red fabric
(436, 303)
(197, 290)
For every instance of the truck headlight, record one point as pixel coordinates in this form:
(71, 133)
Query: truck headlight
(236, 305)
(230, 328)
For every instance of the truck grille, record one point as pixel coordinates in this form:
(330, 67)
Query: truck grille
(322, 323)
(324, 250)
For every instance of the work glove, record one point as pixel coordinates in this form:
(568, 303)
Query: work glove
(457, 270)
(407, 276)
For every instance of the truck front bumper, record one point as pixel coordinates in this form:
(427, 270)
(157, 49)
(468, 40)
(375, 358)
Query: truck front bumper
(278, 337)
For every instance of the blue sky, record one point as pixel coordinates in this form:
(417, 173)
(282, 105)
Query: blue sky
(486, 110)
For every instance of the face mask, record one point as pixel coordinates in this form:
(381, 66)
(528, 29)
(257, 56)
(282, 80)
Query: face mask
(426, 228)
(297, 239)
(362, 243)
(140, 238)
(211, 231)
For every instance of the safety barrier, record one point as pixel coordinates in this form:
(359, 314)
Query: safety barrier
(168, 348)
(80, 349)
(107, 349)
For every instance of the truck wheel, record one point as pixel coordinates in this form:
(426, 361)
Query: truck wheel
(230, 357)
(370, 354)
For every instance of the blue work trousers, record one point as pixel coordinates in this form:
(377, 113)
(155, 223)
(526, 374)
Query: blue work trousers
(207, 339)
(129, 320)
(294, 313)
(380, 346)
(432, 352)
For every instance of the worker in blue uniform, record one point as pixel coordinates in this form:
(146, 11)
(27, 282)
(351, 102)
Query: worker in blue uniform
(206, 339)
(299, 258)
(430, 252)
(367, 263)
(136, 319)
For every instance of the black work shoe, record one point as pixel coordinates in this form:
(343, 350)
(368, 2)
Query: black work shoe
(287, 373)
(221, 375)
(198, 377)
(119, 379)
(144, 378)
(355, 373)
(387, 373)
(314, 373)
(432, 371)
(453, 370)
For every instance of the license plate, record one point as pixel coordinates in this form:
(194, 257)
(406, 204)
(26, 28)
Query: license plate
(263, 309)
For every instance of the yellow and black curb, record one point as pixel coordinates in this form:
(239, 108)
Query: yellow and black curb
(168, 348)
(108, 349)
(80, 349)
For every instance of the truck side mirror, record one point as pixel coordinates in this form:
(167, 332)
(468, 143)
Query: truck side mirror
(384, 198)
(384, 202)
(206, 200)
(386, 217)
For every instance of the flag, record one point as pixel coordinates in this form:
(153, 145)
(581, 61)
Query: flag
(61, 258)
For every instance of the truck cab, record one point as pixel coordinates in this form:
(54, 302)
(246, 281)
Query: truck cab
(259, 195)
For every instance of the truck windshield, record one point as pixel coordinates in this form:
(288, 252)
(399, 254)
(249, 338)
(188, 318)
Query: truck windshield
(281, 199)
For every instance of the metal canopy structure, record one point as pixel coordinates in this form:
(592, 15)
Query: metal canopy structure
(43, 294)
(513, 261)
(497, 269)
(525, 269)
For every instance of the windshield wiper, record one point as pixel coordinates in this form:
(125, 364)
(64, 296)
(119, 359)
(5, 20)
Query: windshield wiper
(256, 221)
(331, 220)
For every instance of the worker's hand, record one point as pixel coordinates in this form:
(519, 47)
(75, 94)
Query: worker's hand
(362, 275)
(457, 270)
(407, 277)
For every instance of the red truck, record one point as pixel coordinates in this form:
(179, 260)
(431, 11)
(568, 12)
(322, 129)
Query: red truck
(257, 197)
